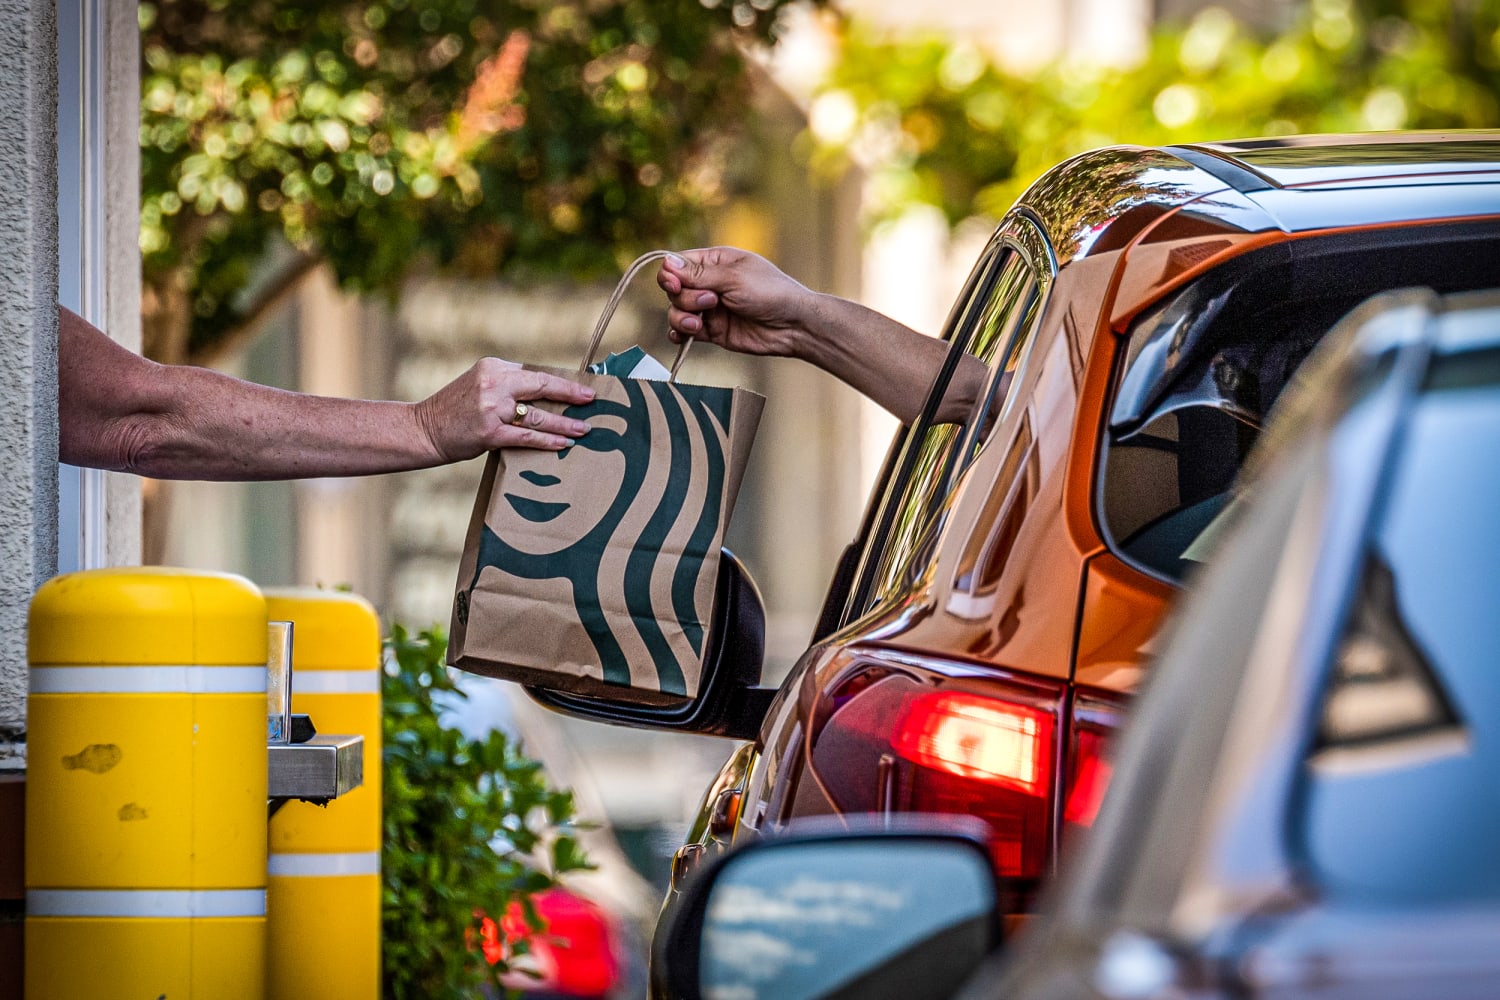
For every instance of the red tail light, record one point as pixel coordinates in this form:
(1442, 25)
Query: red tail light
(977, 737)
(1091, 774)
(985, 749)
(1095, 720)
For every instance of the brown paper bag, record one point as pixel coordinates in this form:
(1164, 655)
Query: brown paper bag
(591, 571)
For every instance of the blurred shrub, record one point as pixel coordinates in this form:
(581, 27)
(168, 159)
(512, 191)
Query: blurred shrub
(937, 122)
(465, 822)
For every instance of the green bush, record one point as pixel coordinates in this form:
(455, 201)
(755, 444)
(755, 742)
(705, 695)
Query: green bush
(465, 823)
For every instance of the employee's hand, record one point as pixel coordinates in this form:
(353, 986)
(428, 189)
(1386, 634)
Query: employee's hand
(737, 300)
(492, 406)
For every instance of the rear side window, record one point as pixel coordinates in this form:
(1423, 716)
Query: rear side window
(1202, 373)
(1402, 799)
(1204, 369)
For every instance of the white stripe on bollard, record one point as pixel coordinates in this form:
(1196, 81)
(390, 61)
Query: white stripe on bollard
(163, 903)
(148, 680)
(336, 682)
(294, 865)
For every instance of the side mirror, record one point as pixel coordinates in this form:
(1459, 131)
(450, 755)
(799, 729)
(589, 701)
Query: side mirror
(729, 703)
(904, 912)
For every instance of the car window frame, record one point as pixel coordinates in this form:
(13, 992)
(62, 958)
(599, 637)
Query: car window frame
(1019, 237)
(897, 460)
(986, 425)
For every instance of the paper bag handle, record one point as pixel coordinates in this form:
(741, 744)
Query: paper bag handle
(614, 303)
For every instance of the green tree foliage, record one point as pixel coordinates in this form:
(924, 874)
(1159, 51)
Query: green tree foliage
(938, 123)
(381, 135)
(465, 821)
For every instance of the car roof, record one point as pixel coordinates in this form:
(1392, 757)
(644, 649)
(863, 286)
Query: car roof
(1103, 199)
(1302, 160)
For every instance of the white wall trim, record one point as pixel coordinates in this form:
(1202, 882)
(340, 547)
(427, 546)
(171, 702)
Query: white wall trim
(28, 349)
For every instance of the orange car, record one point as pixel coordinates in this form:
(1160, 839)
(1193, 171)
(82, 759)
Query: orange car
(1146, 306)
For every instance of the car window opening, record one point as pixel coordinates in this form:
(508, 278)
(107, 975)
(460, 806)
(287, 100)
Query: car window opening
(1383, 691)
(1000, 321)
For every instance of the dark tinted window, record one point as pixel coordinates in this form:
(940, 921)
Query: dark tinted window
(1403, 795)
(1204, 369)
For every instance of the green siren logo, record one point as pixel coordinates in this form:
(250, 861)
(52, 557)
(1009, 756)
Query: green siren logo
(606, 480)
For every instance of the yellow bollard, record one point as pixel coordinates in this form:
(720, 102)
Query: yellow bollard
(323, 901)
(146, 787)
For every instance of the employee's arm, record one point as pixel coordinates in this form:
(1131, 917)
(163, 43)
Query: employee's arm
(120, 411)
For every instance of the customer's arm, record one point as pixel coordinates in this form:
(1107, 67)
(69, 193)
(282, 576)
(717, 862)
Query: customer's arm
(744, 303)
(120, 411)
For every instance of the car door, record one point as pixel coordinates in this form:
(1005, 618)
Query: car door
(992, 325)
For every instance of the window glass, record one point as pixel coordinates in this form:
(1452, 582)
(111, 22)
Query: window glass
(997, 323)
(1205, 368)
(1202, 374)
(1402, 800)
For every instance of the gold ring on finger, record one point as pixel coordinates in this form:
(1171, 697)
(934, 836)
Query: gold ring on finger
(521, 410)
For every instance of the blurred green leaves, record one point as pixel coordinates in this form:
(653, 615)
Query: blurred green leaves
(476, 136)
(467, 824)
(936, 122)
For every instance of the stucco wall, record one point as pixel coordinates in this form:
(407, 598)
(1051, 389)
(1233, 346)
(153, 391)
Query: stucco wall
(28, 335)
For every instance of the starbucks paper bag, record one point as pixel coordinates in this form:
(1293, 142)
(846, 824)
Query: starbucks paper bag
(592, 570)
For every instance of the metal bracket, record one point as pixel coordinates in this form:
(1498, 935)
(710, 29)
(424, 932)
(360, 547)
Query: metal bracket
(316, 771)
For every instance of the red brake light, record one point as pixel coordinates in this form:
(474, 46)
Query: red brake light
(1089, 783)
(977, 737)
(1095, 720)
(894, 743)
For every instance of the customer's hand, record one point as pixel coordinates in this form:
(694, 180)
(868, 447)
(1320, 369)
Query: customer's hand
(742, 302)
(478, 411)
(735, 299)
